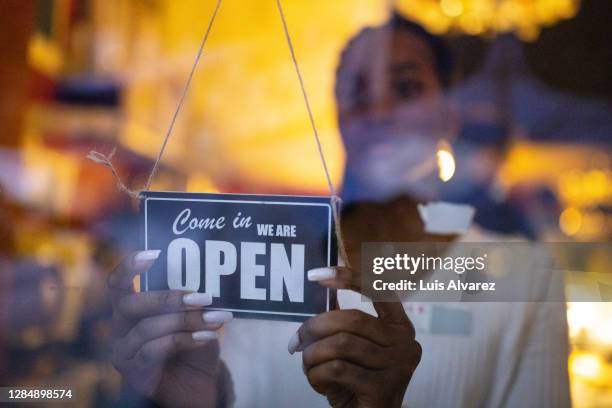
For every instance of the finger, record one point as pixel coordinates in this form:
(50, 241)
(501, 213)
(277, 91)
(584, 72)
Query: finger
(159, 326)
(348, 347)
(340, 277)
(392, 311)
(122, 277)
(163, 348)
(336, 277)
(339, 372)
(337, 321)
(137, 306)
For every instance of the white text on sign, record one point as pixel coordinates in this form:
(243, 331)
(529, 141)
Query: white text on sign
(221, 258)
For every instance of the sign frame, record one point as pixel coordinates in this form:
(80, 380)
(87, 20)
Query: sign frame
(249, 200)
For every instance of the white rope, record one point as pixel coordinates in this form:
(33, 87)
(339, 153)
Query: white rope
(336, 201)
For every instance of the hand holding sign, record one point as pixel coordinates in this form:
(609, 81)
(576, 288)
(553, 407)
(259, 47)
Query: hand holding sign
(353, 358)
(166, 347)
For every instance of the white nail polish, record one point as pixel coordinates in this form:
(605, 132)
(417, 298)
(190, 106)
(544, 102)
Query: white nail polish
(149, 255)
(204, 335)
(197, 299)
(319, 274)
(294, 343)
(217, 317)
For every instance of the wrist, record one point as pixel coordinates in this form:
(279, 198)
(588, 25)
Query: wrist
(130, 397)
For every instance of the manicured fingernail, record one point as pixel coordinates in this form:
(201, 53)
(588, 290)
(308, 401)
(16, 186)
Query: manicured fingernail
(319, 274)
(217, 317)
(294, 343)
(144, 256)
(204, 335)
(197, 299)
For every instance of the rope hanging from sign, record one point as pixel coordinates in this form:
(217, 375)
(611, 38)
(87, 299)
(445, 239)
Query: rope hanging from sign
(335, 200)
(107, 160)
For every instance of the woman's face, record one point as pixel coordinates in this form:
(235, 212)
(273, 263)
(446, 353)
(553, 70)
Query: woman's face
(392, 130)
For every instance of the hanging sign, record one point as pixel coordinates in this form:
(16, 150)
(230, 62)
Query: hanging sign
(250, 252)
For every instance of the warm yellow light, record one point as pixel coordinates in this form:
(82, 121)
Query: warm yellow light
(593, 223)
(570, 221)
(200, 183)
(44, 56)
(597, 184)
(446, 161)
(586, 365)
(590, 320)
(235, 140)
(581, 316)
(52, 176)
(452, 8)
(471, 24)
(524, 17)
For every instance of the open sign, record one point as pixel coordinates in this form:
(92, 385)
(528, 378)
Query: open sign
(250, 252)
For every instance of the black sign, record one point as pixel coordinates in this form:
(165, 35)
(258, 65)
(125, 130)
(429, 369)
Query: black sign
(250, 252)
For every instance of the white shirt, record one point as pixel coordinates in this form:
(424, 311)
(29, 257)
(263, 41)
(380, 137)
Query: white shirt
(474, 354)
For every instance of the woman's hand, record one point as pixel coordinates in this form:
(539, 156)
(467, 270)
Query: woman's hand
(166, 345)
(353, 358)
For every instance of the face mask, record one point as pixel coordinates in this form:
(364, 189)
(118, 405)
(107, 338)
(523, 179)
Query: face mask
(398, 166)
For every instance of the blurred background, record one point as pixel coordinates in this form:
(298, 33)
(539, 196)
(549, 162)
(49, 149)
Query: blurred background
(79, 75)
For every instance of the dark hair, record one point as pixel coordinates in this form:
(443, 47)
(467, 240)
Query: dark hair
(443, 60)
(350, 79)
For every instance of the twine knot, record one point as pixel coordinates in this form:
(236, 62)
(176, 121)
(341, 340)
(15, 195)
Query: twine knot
(105, 160)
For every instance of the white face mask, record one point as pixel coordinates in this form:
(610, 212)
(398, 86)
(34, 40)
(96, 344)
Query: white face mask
(393, 151)
(402, 165)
